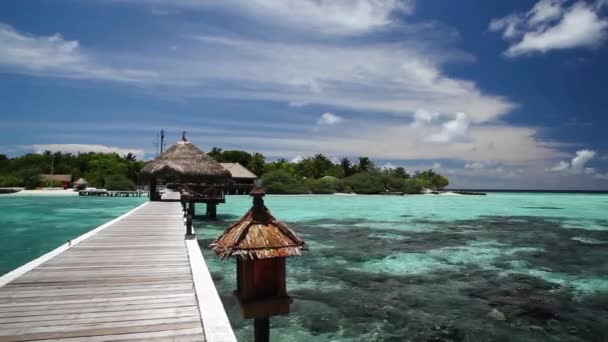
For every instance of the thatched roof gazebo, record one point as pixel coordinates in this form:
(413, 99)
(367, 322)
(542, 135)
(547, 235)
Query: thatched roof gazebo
(80, 184)
(186, 164)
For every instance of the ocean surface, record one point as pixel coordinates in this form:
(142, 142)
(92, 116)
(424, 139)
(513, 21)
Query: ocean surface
(31, 226)
(504, 267)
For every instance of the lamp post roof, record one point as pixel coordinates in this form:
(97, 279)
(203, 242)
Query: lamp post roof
(258, 235)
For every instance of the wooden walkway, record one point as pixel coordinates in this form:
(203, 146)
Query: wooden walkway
(135, 278)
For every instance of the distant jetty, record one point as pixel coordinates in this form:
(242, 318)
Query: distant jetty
(474, 193)
(106, 193)
(9, 190)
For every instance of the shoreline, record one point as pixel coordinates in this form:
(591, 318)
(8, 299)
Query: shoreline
(60, 192)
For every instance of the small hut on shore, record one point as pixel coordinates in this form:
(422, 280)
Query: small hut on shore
(63, 179)
(199, 177)
(80, 184)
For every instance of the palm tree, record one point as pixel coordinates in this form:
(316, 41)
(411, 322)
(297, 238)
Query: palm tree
(365, 164)
(320, 165)
(257, 164)
(347, 166)
(130, 157)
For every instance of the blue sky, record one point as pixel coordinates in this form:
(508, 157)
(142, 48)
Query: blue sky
(495, 94)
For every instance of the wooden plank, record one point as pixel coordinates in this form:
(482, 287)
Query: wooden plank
(177, 335)
(101, 330)
(32, 298)
(103, 300)
(19, 292)
(37, 311)
(62, 320)
(167, 312)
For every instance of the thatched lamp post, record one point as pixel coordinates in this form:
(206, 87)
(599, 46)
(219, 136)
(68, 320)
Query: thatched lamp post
(260, 244)
(187, 165)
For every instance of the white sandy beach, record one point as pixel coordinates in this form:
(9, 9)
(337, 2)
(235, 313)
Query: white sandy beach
(58, 192)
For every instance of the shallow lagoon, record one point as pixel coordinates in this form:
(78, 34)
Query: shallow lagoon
(383, 268)
(432, 268)
(31, 226)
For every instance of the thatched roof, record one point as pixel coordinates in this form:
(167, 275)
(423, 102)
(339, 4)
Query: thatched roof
(56, 178)
(239, 171)
(258, 235)
(187, 163)
(81, 181)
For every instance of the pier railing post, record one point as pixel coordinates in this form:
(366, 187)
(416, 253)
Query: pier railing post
(189, 219)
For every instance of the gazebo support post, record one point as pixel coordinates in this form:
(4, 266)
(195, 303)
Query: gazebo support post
(153, 194)
(261, 329)
(212, 210)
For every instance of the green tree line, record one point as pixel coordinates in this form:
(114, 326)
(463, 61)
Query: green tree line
(101, 170)
(316, 174)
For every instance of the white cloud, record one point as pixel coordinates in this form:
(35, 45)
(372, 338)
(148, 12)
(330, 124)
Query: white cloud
(561, 166)
(492, 168)
(545, 11)
(577, 165)
(436, 128)
(454, 130)
(381, 77)
(390, 141)
(54, 56)
(510, 25)
(549, 26)
(296, 159)
(388, 166)
(338, 17)
(582, 158)
(329, 119)
(395, 78)
(480, 165)
(84, 148)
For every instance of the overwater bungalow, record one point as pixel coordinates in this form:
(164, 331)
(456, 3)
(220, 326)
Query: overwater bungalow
(242, 179)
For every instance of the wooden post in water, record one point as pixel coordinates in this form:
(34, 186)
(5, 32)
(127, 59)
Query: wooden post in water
(212, 210)
(261, 329)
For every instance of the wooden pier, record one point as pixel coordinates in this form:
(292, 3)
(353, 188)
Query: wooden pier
(135, 278)
(106, 193)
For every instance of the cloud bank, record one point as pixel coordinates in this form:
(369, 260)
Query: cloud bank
(550, 25)
(55, 56)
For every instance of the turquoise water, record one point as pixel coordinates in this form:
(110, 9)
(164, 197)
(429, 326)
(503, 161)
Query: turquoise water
(31, 226)
(384, 268)
(436, 268)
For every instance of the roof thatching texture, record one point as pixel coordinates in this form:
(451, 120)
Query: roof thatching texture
(81, 181)
(239, 171)
(258, 235)
(186, 162)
